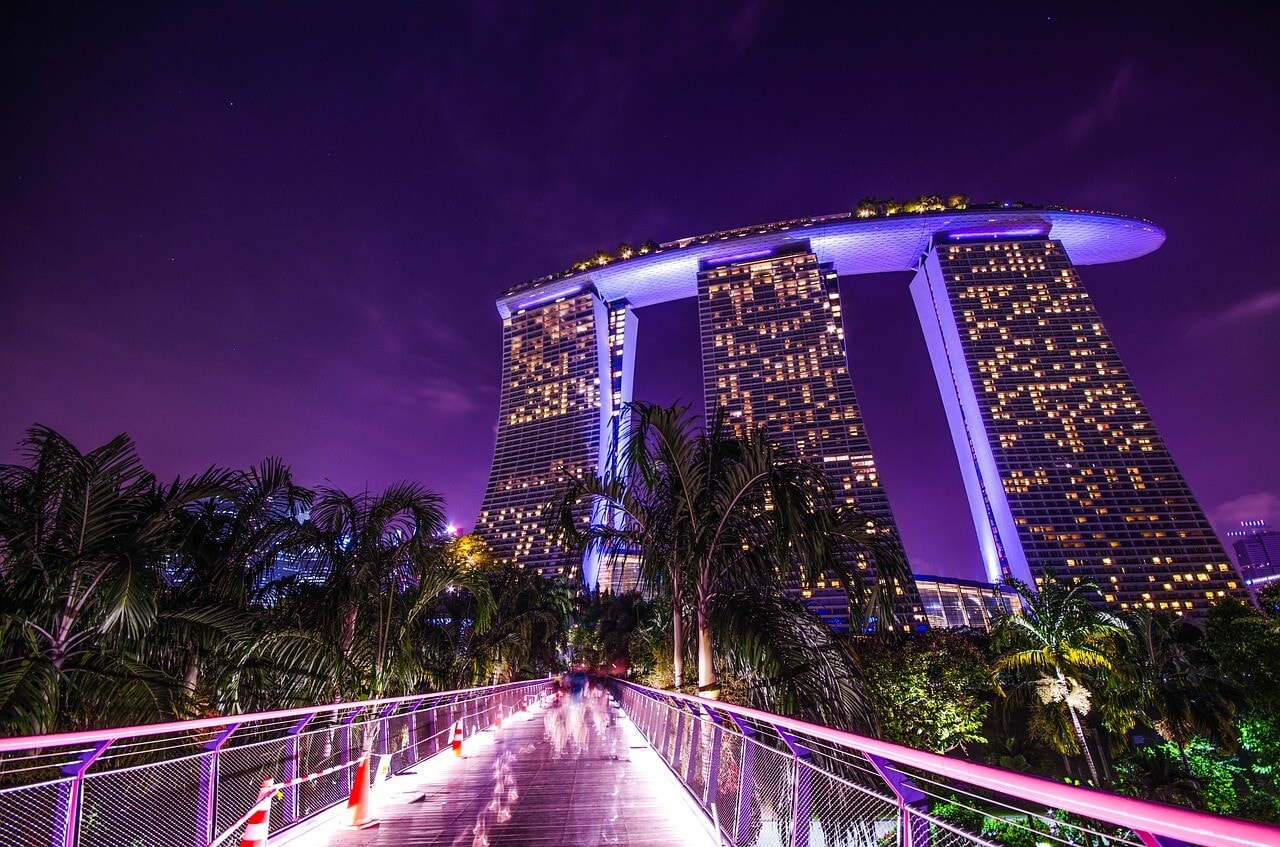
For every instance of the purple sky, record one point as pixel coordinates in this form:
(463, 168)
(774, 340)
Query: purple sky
(257, 230)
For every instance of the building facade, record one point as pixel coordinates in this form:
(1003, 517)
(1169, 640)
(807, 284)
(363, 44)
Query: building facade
(1257, 553)
(773, 355)
(967, 603)
(564, 376)
(1063, 467)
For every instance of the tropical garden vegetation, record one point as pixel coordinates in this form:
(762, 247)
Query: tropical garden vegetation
(124, 599)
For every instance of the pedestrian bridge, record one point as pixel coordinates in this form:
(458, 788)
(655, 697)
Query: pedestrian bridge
(622, 765)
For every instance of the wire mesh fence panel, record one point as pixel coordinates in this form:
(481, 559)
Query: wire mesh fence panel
(143, 806)
(27, 813)
(241, 771)
(397, 742)
(704, 735)
(772, 798)
(319, 750)
(728, 785)
(946, 835)
(845, 814)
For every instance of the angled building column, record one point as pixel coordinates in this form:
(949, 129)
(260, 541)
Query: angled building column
(1061, 461)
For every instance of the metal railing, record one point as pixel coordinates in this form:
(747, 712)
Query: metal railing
(769, 780)
(187, 782)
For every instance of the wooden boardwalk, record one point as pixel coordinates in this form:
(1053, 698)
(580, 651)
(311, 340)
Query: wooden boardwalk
(577, 774)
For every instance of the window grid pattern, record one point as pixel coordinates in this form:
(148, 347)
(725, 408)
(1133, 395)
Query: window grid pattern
(548, 428)
(773, 353)
(1092, 488)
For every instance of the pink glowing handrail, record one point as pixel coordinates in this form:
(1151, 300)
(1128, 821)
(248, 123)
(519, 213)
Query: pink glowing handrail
(1141, 816)
(93, 736)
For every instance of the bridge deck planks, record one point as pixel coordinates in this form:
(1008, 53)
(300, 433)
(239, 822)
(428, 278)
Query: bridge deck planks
(512, 787)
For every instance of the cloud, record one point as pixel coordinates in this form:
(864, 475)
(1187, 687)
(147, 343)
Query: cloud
(1228, 515)
(1255, 308)
(1103, 111)
(746, 23)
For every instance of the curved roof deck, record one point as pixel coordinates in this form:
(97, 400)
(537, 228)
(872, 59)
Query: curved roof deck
(855, 245)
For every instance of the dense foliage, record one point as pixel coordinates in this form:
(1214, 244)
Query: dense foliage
(125, 600)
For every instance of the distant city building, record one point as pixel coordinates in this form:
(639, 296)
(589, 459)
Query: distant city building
(1062, 464)
(950, 602)
(773, 354)
(1257, 552)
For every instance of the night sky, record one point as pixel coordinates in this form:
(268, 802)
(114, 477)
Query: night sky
(250, 230)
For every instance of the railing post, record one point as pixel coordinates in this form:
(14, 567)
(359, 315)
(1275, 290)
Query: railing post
(695, 731)
(384, 729)
(344, 748)
(800, 797)
(746, 780)
(1150, 839)
(678, 708)
(207, 799)
(66, 810)
(711, 792)
(910, 799)
(292, 752)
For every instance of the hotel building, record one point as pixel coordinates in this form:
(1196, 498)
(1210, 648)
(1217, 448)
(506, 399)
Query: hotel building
(1064, 468)
(773, 354)
(1062, 465)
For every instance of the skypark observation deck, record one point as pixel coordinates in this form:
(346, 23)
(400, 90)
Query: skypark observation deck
(625, 765)
(855, 246)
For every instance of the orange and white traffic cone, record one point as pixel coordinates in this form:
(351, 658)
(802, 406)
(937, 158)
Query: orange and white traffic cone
(358, 816)
(255, 829)
(497, 724)
(457, 739)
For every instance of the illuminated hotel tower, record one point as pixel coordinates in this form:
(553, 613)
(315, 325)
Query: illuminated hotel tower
(555, 421)
(1063, 466)
(773, 354)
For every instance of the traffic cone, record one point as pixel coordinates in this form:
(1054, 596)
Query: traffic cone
(457, 739)
(358, 803)
(255, 829)
(524, 703)
(497, 724)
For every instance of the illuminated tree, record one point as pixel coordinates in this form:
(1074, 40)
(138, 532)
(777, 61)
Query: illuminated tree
(1056, 644)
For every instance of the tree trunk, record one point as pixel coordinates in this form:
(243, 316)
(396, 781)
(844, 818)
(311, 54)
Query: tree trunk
(677, 643)
(192, 675)
(1084, 745)
(706, 660)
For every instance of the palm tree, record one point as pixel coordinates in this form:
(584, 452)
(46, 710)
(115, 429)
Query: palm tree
(83, 539)
(1062, 641)
(378, 573)
(216, 578)
(720, 520)
(1178, 685)
(639, 509)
